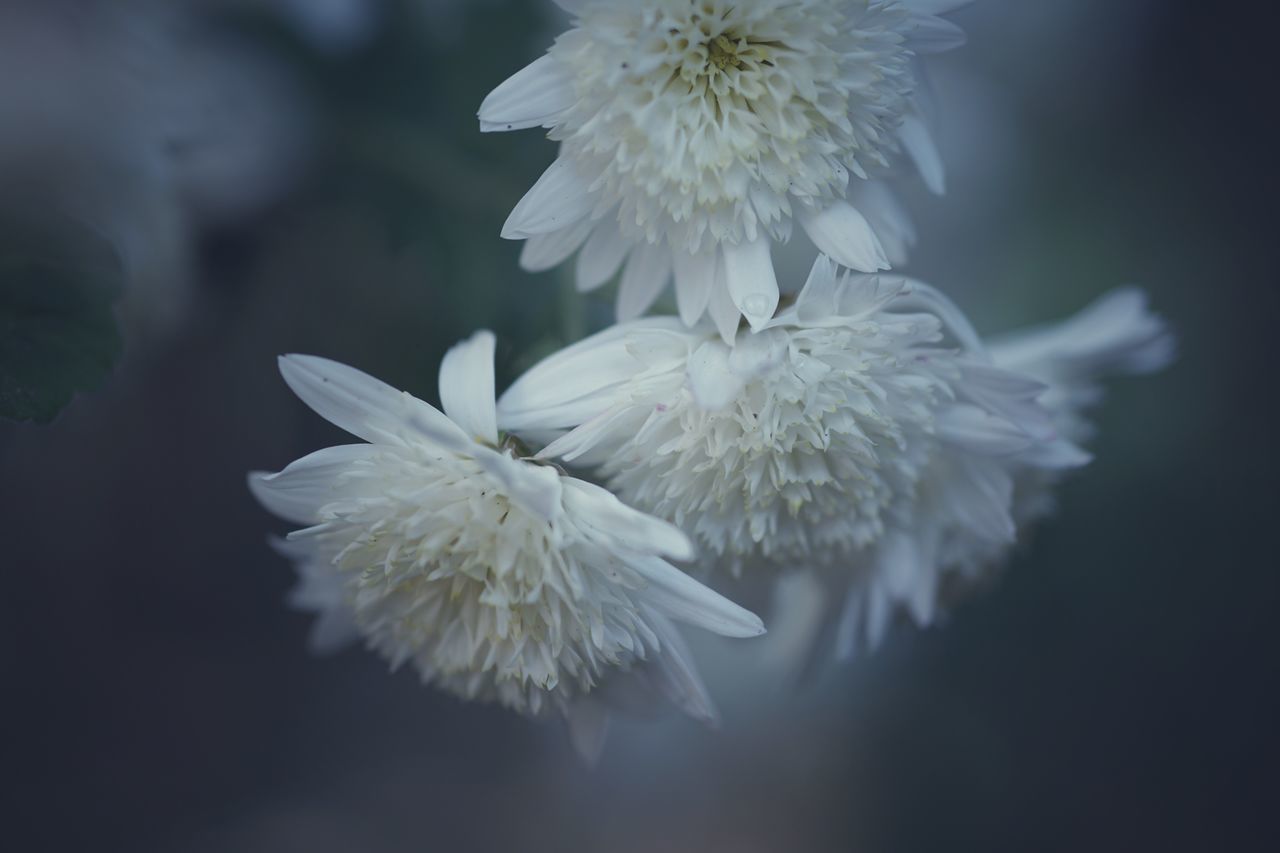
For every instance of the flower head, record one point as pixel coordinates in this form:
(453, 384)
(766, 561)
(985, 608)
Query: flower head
(802, 445)
(497, 577)
(693, 132)
(972, 506)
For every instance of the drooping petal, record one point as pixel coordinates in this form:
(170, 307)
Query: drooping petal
(928, 7)
(843, 233)
(675, 674)
(298, 492)
(647, 273)
(695, 274)
(601, 257)
(535, 95)
(888, 218)
(545, 251)
(682, 598)
(466, 387)
(1116, 332)
(926, 296)
(633, 530)
(979, 431)
(918, 141)
(753, 286)
(724, 313)
(558, 200)
(935, 35)
(588, 726)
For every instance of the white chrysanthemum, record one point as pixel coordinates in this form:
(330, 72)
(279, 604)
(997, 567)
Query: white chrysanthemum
(805, 444)
(693, 132)
(971, 507)
(498, 578)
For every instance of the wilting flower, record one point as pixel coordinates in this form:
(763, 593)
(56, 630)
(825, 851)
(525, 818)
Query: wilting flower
(692, 134)
(497, 577)
(865, 433)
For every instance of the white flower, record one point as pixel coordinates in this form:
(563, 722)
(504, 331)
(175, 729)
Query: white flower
(498, 578)
(693, 132)
(806, 444)
(971, 506)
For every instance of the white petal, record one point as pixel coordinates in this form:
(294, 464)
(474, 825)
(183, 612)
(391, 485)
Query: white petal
(755, 353)
(849, 625)
(695, 276)
(601, 256)
(1012, 396)
(577, 383)
(817, 299)
(844, 234)
(544, 251)
(1056, 455)
(573, 7)
(600, 431)
(748, 269)
(928, 297)
(364, 406)
(535, 95)
(647, 273)
(634, 530)
(921, 7)
(918, 142)
(909, 576)
(1116, 332)
(679, 596)
(935, 35)
(978, 431)
(536, 488)
(713, 384)
(319, 590)
(466, 387)
(558, 200)
(723, 312)
(675, 674)
(588, 722)
(888, 217)
(980, 498)
(306, 485)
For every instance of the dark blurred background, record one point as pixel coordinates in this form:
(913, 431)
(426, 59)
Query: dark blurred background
(306, 175)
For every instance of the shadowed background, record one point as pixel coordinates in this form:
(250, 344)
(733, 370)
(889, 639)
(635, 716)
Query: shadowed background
(282, 176)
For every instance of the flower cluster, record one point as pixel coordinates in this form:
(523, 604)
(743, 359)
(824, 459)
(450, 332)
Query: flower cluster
(860, 430)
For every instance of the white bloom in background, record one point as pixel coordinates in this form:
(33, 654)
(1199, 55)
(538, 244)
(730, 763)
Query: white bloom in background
(803, 445)
(955, 540)
(498, 578)
(692, 134)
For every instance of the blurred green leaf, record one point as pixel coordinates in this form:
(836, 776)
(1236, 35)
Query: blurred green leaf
(58, 332)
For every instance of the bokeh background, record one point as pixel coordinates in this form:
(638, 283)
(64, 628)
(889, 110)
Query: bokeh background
(306, 175)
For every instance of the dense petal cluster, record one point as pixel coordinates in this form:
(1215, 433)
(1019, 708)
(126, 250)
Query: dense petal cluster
(694, 132)
(498, 578)
(971, 508)
(802, 445)
(866, 433)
